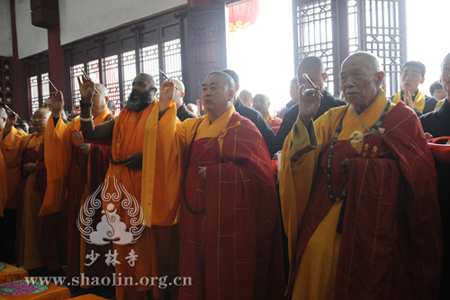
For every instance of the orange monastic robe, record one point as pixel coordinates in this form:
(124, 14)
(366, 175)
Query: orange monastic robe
(9, 167)
(122, 188)
(74, 173)
(29, 195)
(9, 179)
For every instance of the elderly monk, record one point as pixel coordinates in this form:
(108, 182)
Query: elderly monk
(153, 247)
(75, 172)
(437, 124)
(9, 179)
(261, 103)
(359, 196)
(230, 222)
(38, 243)
(246, 98)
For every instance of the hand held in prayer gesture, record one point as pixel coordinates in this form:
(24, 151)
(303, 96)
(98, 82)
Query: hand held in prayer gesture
(56, 103)
(166, 94)
(134, 161)
(30, 167)
(87, 88)
(309, 103)
(408, 99)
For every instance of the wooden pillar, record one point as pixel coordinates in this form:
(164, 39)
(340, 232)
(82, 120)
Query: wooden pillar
(21, 103)
(57, 64)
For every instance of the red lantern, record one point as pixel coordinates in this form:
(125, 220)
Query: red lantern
(243, 15)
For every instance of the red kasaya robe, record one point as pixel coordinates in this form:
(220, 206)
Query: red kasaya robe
(273, 122)
(391, 237)
(233, 249)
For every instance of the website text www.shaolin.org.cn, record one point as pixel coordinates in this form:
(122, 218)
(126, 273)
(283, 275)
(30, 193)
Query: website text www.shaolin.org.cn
(161, 282)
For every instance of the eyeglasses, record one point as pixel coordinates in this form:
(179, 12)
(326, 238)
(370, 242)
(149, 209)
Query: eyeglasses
(38, 117)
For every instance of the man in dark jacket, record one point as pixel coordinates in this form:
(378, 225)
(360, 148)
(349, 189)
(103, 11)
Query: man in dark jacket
(313, 67)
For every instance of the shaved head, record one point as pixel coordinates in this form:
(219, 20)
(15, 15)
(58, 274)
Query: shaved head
(227, 79)
(261, 103)
(3, 117)
(445, 75)
(313, 67)
(146, 77)
(143, 92)
(180, 85)
(446, 59)
(39, 120)
(44, 111)
(311, 63)
(100, 100)
(246, 98)
(245, 93)
(365, 58)
(101, 89)
(3, 113)
(218, 94)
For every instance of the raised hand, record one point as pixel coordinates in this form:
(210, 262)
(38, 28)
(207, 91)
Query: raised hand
(308, 104)
(87, 88)
(10, 121)
(56, 103)
(166, 94)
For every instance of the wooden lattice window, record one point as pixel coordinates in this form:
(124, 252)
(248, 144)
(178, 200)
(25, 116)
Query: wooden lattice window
(114, 58)
(332, 30)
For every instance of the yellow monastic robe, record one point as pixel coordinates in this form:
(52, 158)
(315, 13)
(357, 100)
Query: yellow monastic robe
(9, 167)
(57, 161)
(301, 150)
(419, 100)
(439, 104)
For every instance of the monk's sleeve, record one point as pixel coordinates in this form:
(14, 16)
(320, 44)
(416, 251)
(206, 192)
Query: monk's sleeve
(57, 160)
(10, 162)
(299, 158)
(303, 140)
(161, 169)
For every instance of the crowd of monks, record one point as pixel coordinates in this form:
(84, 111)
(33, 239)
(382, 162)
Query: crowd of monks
(331, 199)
